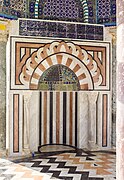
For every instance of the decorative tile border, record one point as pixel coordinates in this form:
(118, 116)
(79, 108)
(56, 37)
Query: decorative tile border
(60, 29)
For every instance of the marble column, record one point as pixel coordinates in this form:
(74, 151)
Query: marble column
(26, 122)
(120, 91)
(92, 98)
(83, 120)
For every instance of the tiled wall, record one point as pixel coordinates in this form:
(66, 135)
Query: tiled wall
(106, 12)
(101, 12)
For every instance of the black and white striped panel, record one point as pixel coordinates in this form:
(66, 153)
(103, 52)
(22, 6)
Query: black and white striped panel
(58, 118)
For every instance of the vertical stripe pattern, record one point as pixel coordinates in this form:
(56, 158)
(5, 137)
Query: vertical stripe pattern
(76, 120)
(16, 123)
(104, 120)
(64, 117)
(71, 117)
(58, 118)
(45, 118)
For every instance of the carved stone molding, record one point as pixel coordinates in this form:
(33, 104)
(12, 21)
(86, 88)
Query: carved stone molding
(111, 32)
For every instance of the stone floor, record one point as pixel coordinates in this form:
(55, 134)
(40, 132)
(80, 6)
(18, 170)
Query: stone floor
(66, 164)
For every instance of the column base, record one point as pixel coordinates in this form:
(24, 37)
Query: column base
(92, 146)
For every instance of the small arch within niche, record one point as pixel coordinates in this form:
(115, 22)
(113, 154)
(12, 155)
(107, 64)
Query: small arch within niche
(59, 77)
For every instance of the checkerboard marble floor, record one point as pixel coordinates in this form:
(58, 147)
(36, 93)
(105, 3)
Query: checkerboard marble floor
(68, 165)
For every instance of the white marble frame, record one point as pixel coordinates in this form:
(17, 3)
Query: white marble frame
(82, 143)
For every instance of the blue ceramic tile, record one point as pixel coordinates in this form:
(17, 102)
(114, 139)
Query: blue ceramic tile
(62, 30)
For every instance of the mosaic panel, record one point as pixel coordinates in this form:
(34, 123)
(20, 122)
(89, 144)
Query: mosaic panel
(56, 10)
(14, 8)
(106, 13)
(59, 77)
(62, 30)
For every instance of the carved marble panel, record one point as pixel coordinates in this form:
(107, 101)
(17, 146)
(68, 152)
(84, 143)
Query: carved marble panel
(31, 58)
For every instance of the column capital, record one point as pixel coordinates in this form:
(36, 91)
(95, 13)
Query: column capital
(27, 97)
(92, 96)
